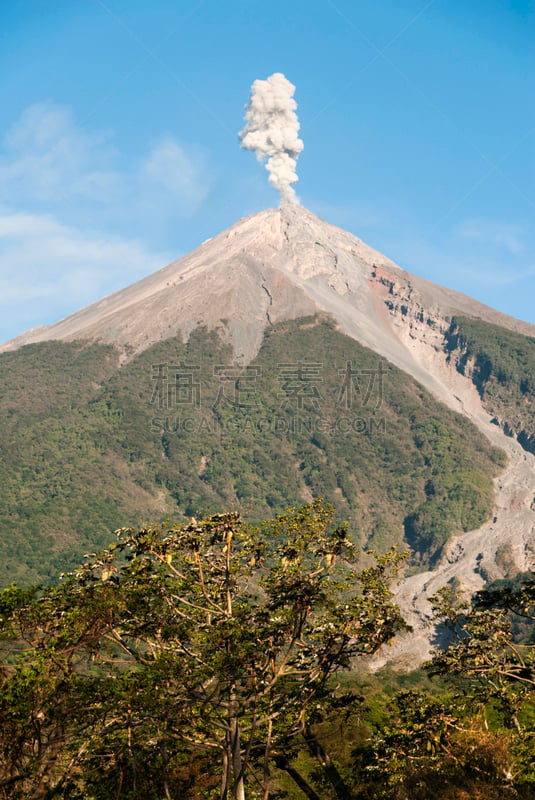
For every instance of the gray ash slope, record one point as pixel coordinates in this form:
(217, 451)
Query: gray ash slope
(276, 265)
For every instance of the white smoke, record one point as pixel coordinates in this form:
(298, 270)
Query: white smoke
(272, 132)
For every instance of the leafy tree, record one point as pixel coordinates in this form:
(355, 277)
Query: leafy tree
(210, 639)
(489, 663)
(435, 747)
(477, 740)
(482, 651)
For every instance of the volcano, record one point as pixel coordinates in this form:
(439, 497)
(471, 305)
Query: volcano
(276, 265)
(287, 264)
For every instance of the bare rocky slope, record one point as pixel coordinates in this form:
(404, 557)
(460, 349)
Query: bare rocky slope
(287, 263)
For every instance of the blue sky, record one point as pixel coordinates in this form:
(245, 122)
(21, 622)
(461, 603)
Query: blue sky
(119, 148)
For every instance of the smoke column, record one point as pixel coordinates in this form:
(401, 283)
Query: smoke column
(272, 132)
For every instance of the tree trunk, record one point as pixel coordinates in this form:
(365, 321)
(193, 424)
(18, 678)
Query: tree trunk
(335, 779)
(235, 746)
(165, 775)
(225, 776)
(267, 753)
(283, 763)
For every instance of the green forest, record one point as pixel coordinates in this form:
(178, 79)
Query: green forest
(181, 429)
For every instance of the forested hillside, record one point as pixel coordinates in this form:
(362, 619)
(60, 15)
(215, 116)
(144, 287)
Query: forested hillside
(88, 446)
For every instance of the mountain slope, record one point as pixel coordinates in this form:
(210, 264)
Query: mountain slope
(91, 447)
(281, 267)
(276, 265)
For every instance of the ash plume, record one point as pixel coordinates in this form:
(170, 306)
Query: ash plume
(272, 132)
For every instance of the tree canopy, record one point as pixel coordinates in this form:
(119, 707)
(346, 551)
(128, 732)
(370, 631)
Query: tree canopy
(212, 640)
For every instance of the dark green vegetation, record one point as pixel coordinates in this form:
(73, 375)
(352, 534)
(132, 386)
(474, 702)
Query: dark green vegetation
(86, 446)
(64, 482)
(207, 639)
(195, 662)
(503, 370)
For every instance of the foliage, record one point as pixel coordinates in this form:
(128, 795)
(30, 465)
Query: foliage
(63, 485)
(209, 638)
(472, 734)
(488, 661)
(482, 649)
(411, 739)
(85, 446)
(431, 747)
(104, 680)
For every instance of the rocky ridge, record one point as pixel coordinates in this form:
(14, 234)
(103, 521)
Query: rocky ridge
(507, 542)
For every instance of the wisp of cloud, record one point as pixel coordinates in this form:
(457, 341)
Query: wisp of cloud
(272, 132)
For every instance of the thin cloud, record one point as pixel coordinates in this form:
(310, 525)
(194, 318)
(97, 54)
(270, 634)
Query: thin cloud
(39, 245)
(49, 269)
(471, 259)
(169, 166)
(20, 225)
(506, 235)
(54, 177)
(46, 158)
(497, 276)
